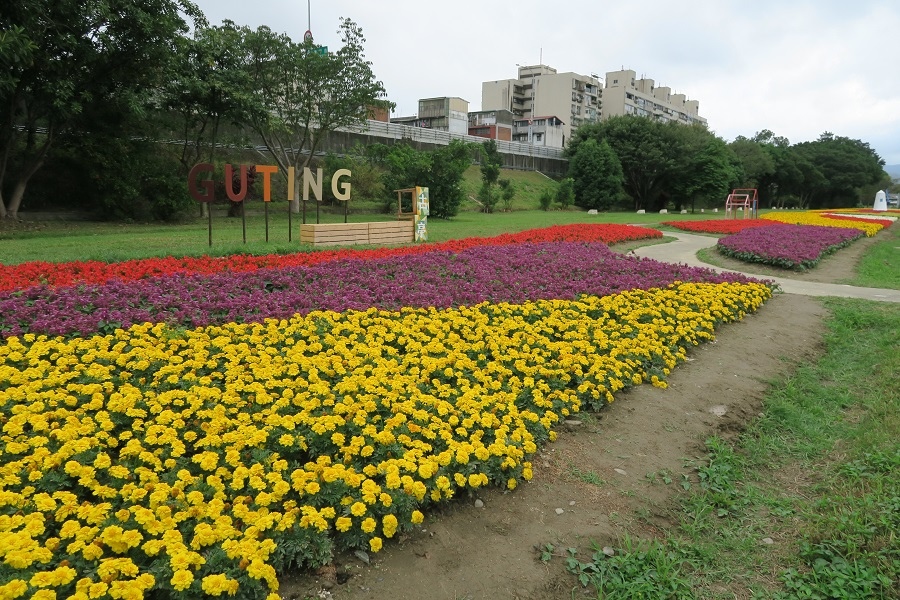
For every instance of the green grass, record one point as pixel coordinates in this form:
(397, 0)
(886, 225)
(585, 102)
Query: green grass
(817, 474)
(880, 267)
(59, 241)
(529, 187)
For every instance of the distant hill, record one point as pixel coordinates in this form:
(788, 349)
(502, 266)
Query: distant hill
(893, 171)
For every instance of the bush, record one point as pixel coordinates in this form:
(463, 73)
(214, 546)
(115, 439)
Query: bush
(546, 200)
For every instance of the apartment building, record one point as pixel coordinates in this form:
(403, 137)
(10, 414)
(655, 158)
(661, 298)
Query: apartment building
(494, 124)
(444, 114)
(623, 94)
(540, 131)
(539, 90)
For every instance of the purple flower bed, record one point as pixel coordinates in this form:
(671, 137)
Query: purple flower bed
(792, 246)
(512, 273)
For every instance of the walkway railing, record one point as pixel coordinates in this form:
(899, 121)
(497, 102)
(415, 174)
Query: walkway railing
(434, 136)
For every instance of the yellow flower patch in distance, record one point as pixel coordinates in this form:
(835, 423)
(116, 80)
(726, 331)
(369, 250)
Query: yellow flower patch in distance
(814, 218)
(250, 447)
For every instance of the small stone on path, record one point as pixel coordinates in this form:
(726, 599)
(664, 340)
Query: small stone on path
(620, 471)
(608, 551)
(559, 511)
(479, 503)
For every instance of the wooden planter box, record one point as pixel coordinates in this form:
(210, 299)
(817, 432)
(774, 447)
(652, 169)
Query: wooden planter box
(343, 234)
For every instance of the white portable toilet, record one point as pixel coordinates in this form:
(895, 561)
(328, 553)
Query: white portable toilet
(880, 201)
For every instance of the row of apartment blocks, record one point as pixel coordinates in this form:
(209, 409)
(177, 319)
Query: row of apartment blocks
(543, 107)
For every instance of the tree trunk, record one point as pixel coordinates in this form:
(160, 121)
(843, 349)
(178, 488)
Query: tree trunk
(15, 200)
(28, 170)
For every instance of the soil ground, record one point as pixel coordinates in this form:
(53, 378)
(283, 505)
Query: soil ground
(592, 484)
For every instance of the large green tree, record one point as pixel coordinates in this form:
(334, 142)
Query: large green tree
(207, 86)
(440, 170)
(707, 169)
(597, 176)
(756, 163)
(643, 150)
(70, 57)
(300, 93)
(846, 166)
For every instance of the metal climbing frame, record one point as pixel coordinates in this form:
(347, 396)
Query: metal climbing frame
(744, 199)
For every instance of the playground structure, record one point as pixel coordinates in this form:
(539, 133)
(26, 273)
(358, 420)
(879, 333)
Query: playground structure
(745, 200)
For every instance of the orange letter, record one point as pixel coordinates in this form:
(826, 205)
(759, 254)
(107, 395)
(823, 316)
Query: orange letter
(267, 171)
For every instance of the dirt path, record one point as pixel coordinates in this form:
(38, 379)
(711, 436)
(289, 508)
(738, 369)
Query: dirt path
(593, 484)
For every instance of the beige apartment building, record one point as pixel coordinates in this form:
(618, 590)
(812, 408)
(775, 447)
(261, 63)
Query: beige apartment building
(623, 94)
(443, 114)
(540, 93)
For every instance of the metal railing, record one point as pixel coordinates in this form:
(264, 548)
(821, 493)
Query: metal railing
(433, 136)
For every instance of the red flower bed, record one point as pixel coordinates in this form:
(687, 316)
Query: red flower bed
(872, 211)
(723, 226)
(883, 222)
(28, 274)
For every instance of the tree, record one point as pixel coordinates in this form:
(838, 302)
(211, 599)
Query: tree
(707, 168)
(597, 175)
(301, 94)
(507, 193)
(76, 54)
(755, 161)
(440, 170)
(491, 162)
(565, 193)
(644, 151)
(845, 165)
(206, 86)
(16, 51)
(448, 164)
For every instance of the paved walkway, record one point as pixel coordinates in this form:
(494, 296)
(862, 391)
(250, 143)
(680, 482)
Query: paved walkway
(684, 250)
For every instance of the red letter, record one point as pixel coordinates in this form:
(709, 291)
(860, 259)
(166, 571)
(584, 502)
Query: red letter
(208, 193)
(229, 184)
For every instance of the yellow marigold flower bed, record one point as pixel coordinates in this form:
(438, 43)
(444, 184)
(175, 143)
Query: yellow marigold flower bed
(206, 461)
(814, 218)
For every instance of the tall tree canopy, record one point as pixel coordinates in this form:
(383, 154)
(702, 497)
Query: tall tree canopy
(299, 93)
(440, 170)
(597, 176)
(659, 161)
(845, 165)
(63, 56)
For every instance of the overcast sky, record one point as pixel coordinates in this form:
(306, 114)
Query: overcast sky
(797, 67)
